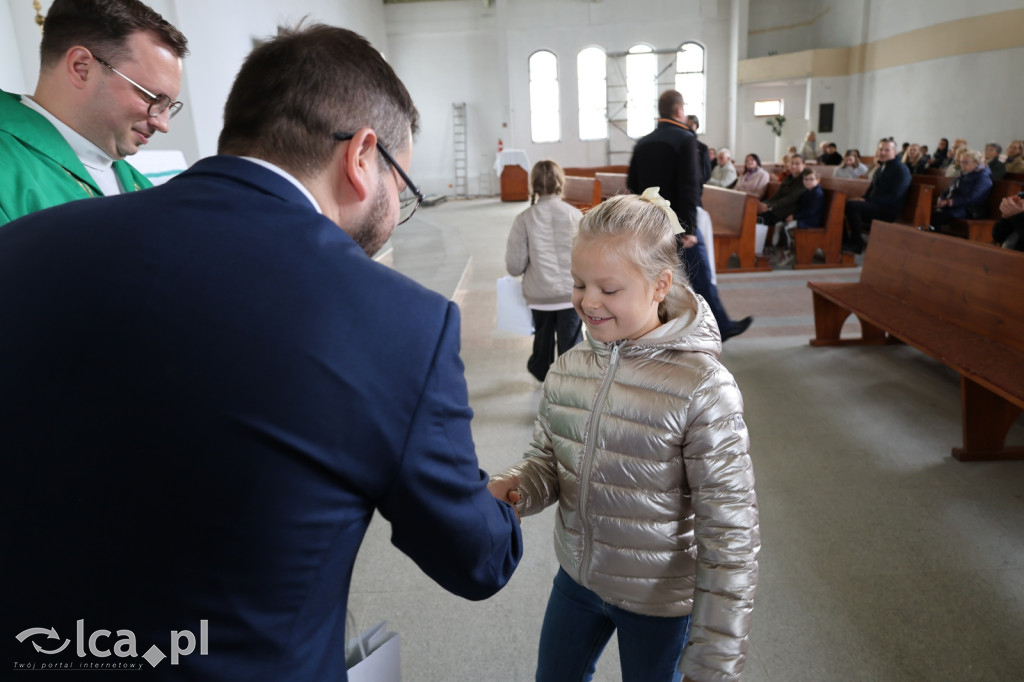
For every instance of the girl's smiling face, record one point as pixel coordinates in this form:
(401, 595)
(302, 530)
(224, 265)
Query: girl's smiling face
(611, 294)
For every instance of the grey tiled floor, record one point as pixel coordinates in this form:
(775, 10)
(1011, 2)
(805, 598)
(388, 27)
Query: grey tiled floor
(883, 558)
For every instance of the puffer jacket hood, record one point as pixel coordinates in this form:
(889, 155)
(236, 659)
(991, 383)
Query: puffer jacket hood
(642, 444)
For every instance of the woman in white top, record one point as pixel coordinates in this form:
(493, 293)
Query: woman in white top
(539, 248)
(852, 167)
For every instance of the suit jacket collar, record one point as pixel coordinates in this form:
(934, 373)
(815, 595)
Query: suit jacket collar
(246, 172)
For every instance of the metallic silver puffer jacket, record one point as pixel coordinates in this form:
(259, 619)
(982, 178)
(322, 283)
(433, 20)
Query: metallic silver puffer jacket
(643, 445)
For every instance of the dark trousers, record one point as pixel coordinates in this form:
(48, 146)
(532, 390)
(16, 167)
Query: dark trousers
(551, 329)
(698, 269)
(859, 215)
(578, 624)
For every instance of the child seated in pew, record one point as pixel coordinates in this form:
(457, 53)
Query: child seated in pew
(810, 213)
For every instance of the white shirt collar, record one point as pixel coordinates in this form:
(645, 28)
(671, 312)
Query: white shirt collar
(287, 176)
(90, 155)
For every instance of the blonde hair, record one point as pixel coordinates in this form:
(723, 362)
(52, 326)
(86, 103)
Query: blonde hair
(547, 177)
(978, 157)
(642, 233)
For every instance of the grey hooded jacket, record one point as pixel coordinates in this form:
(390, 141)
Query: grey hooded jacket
(643, 446)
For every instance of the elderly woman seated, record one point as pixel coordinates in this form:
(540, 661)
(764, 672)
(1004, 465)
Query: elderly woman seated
(967, 196)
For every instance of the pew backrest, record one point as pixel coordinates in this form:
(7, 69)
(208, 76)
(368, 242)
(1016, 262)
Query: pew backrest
(966, 283)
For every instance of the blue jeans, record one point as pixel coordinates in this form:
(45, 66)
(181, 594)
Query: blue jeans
(578, 625)
(695, 260)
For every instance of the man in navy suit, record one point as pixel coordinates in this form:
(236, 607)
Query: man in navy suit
(210, 387)
(883, 199)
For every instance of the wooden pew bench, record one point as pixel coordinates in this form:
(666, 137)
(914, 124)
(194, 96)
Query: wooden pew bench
(583, 193)
(828, 238)
(734, 222)
(611, 184)
(591, 171)
(917, 209)
(974, 229)
(980, 229)
(952, 299)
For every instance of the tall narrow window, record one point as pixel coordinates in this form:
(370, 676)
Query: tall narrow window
(545, 125)
(642, 89)
(690, 80)
(592, 80)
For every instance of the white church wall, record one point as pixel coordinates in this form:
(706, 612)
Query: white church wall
(12, 76)
(462, 50)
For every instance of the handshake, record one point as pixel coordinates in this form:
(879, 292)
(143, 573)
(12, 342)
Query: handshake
(506, 489)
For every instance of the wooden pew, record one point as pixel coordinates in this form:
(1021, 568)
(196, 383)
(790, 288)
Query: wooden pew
(583, 193)
(917, 209)
(611, 184)
(980, 229)
(591, 171)
(829, 238)
(975, 229)
(734, 222)
(952, 300)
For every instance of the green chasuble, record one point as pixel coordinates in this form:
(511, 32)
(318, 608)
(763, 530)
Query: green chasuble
(38, 168)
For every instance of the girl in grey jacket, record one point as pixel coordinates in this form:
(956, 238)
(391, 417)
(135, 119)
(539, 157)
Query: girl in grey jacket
(640, 439)
(538, 248)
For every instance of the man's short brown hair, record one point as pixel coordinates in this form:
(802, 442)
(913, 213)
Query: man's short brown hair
(103, 26)
(667, 103)
(293, 92)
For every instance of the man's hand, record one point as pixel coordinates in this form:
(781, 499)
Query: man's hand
(689, 240)
(762, 207)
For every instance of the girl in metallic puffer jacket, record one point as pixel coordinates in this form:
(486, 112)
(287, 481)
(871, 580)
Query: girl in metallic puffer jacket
(640, 440)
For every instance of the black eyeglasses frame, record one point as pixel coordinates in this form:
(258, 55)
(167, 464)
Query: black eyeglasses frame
(405, 212)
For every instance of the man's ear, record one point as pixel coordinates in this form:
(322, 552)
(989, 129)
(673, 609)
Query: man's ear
(360, 161)
(79, 66)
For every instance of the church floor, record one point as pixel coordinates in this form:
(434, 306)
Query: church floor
(883, 558)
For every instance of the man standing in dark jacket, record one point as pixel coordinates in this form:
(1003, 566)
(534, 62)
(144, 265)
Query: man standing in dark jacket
(883, 200)
(669, 159)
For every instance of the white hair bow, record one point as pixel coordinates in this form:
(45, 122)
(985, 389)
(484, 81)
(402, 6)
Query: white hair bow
(651, 196)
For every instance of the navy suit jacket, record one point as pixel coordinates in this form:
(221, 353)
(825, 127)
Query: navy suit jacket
(208, 389)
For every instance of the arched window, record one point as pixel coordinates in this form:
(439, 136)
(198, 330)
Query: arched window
(592, 81)
(545, 125)
(690, 80)
(642, 86)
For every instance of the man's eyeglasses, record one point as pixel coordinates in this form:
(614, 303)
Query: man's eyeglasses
(158, 104)
(407, 205)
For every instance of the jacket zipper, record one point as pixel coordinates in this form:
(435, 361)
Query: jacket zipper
(588, 459)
